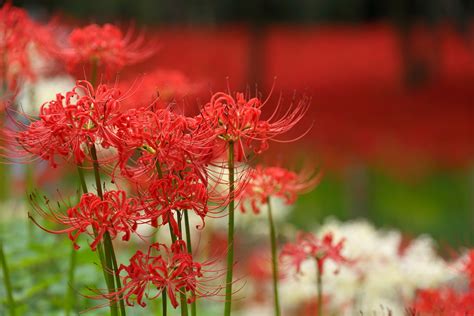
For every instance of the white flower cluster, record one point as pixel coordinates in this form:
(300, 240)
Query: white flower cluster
(382, 277)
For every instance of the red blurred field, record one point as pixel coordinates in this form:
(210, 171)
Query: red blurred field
(363, 108)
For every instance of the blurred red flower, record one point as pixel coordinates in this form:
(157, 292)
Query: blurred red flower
(266, 182)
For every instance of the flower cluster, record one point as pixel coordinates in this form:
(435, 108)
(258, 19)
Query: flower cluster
(20, 37)
(446, 300)
(266, 182)
(165, 269)
(308, 245)
(385, 274)
(105, 47)
(238, 120)
(114, 213)
(164, 166)
(70, 124)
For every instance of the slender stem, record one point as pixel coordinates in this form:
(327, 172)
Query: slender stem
(107, 243)
(320, 289)
(95, 164)
(184, 307)
(182, 294)
(82, 178)
(190, 251)
(118, 283)
(70, 292)
(100, 249)
(230, 233)
(274, 258)
(164, 302)
(6, 281)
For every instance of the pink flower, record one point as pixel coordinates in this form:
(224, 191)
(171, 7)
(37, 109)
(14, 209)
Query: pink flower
(266, 182)
(309, 246)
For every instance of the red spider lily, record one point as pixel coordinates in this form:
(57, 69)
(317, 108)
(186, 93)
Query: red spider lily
(166, 269)
(469, 269)
(239, 120)
(166, 142)
(115, 214)
(105, 46)
(443, 302)
(266, 182)
(160, 86)
(19, 37)
(309, 246)
(173, 193)
(70, 124)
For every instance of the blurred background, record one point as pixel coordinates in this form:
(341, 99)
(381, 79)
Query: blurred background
(392, 87)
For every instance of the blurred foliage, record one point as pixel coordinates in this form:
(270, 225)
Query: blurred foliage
(438, 205)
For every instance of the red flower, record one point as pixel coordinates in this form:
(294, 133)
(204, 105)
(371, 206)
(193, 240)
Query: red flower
(171, 270)
(469, 269)
(239, 120)
(70, 124)
(266, 182)
(444, 301)
(106, 46)
(161, 86)
(173, 193)
(309, 246)
(115, 214)
(148, 140)
(19, 37)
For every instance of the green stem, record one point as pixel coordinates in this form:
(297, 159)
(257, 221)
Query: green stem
(274, 258)
(109, 253)
(320, 290)
(82, 178)
(108, 242)
(190, 251)
(182, 294)
(100, 248)
(6, 281)
(230, 233)
(29, 180)
(164, 302)
(70, 292)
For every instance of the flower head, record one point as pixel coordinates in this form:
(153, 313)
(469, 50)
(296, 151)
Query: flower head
(68, 125)
(266, 182)
(114, 214)
(160, 138)
(469, 269)
(172, 193)
(443, 301)
(238, 120)
(309, 246)
(19, 37)
(162, 269)
(105, 46)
